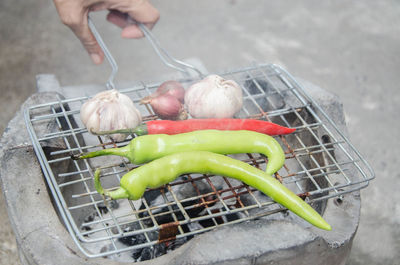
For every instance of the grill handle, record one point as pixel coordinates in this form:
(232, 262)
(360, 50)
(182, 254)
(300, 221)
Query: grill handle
(107, 54)
(165, 57)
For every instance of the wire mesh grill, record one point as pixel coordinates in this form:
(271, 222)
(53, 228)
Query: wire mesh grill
(320, 164)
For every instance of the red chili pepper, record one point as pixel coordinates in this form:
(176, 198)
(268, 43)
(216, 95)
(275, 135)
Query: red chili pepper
(175, 127)
(182, 126)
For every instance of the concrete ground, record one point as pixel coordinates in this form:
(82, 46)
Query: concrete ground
(350, 48)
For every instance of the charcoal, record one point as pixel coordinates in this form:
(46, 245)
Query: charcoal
(182, 191)
(136, 253)
(232, 217)
(189, 189)
(88, 219)
(198, 207)
(160, 219)
(132, 240)
(146, 254)
(177, 243)
(151, 195)
(112, 204)
(159, 250)
(206, 223)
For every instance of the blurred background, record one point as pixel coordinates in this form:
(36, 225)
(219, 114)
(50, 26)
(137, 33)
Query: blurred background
(350, 48)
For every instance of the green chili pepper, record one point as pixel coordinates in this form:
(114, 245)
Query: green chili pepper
(146, 148)
(164, 170)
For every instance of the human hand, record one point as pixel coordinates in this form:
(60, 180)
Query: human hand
(74, 14)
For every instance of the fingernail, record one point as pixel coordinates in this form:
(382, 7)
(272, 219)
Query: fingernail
(96, 58)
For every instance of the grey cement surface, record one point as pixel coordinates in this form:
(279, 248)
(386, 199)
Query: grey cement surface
(350, 48)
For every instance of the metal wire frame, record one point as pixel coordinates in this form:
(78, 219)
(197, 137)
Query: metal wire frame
(315, 163)
(163, 54)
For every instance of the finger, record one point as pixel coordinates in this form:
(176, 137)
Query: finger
(142, 12)
(88, 40)
(117, 18)
(122, 20)
(145, 13)
(75, 17)
(132, 32)
(98, 6)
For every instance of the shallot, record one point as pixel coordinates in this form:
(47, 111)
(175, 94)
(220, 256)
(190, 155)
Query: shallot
(214, 97)
(167, 101)
(110, 110)
(173, 88)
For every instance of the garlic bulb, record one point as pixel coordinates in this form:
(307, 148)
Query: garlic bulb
(214, 97)
(110, 110)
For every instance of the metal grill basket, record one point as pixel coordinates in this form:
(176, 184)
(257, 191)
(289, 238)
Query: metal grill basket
(168, 215)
